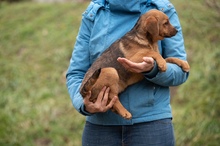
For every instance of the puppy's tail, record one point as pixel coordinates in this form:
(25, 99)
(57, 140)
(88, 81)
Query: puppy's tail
(89, 83)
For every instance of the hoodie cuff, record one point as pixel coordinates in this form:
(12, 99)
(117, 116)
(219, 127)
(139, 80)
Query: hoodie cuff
(83, 111)
(153, 72)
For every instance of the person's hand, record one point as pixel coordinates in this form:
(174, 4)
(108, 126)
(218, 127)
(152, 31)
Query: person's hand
(145, 66)
(101, 104)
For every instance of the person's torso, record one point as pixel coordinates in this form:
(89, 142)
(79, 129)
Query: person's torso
(112, 19)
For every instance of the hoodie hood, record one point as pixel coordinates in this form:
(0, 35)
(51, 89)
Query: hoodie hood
(123, 5)
(126, 5)
(134, 6)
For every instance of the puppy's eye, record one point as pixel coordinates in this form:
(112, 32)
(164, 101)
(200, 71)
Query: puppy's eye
(166, 23)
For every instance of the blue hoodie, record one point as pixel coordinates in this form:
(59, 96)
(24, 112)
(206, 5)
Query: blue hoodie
(104, 22)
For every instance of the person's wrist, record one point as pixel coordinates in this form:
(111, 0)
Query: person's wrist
(84, 111)
(153, 72)
(149, 63)
(88, 110)
(149, 68)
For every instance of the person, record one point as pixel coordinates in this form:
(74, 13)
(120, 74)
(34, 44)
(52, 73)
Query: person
(103, 22)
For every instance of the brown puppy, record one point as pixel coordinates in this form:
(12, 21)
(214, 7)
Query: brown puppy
(141, 41)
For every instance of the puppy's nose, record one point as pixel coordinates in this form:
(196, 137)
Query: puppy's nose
(174, 31)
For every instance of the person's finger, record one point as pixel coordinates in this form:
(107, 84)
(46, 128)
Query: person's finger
(86, 99)
(144, 66)
(134, 67)
(148, 60)
(112, 102)
(101, 94)
(127, 63)
(105, 98)
(123, 62)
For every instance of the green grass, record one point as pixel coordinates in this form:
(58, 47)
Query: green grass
(35, 47)
(36, 42)
(196, 105)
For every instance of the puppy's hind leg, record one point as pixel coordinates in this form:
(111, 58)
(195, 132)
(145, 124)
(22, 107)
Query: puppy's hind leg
(89, 84)
(109, 78)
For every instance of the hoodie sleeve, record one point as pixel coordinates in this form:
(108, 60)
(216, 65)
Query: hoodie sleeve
(80, 60)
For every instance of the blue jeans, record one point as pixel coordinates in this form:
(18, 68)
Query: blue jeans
(155, 133)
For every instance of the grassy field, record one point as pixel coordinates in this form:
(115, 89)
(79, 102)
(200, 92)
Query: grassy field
(36, 42)
(196, 105)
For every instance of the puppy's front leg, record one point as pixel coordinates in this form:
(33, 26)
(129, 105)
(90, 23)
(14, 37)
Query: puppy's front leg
(183, 64)
(159, 59)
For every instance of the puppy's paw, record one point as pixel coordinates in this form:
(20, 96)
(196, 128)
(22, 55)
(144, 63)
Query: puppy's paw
(162, 66)
(185, 66)
(127, 115)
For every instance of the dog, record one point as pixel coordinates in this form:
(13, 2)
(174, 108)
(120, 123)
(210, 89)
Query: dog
(139, 42)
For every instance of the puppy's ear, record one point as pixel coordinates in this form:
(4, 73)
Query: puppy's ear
(152, 26)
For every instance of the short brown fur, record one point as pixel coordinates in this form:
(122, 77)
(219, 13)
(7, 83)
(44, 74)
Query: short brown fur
(140, 42)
